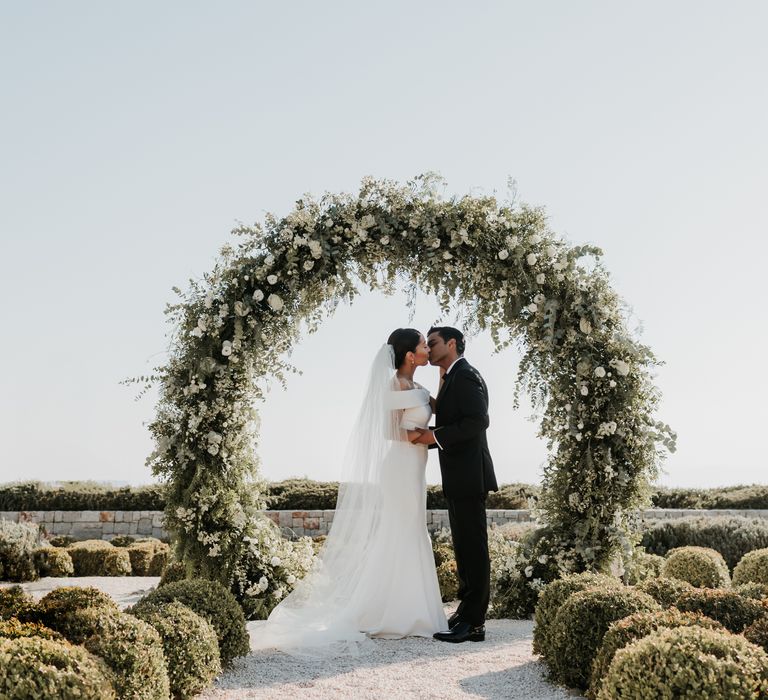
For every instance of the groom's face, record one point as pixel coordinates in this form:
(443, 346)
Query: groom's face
(438, 348)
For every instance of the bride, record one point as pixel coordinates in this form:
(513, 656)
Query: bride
(375, 576)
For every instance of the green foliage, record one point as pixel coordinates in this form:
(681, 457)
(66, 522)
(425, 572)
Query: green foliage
(552, 597)
(122, 540)
(57, 610)
(130, 647)
(302, 494)
(174, 571)
(732, 536)
(15, 602)
(79, 495)
(690, 663)
(757, 633)
(758, 591)
(148, 558)
(211, 601)
(34, 668)
(99, 558)
(581, 623)
(723, 498)
(62, 541)
(190, 646)
(53, 561)
(700, 566)
(735, 612)
(445, 564)
(634, 627)
(17, 545)
(752, 568)
(665, 591)
(14, 628)
(642, 566)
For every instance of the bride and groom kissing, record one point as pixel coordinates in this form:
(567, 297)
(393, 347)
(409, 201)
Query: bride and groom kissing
(375, 575)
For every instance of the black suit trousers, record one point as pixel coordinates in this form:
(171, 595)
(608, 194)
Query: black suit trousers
(469, 531)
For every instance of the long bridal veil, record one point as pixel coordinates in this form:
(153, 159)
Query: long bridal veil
(317, 614)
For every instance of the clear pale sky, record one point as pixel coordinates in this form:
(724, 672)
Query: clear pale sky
(136, 135)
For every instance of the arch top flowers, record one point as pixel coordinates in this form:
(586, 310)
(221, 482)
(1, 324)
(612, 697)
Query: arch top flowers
(498, 263)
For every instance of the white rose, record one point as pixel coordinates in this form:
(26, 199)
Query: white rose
(263, 583)
(578, 437)
(621, 367)
(290, 579)
(531, 259)
(269, 260)
(213, 449)
(612, 383)
(535, 239)
(226, 348)
(223, 310)
(584, 390)
(258, 295)
(275, 302)
(272, 279)
(585, 326)
(551, 251)
(278, 593)
(197, 332)
(309, 264)
(539, 298)
(447, 256)
(315, 249)
(567, 407)
(503, 254)
(213, 437)
(384, 240)
(275, 561)
(208, 302)
(533, 308)
(529, 571)
(540, 278)
(560, 277)
(600, 372)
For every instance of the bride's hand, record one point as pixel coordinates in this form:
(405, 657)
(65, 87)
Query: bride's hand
(414, 435)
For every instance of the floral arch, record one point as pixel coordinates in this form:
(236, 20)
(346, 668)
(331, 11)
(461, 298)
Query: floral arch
(499, 264)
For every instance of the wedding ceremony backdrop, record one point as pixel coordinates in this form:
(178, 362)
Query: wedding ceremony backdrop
(500, 264)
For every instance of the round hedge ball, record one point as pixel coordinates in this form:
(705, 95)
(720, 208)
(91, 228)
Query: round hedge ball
(634, 627)
(752, 568)
(702, 567)
(16, 602)
(56, 610)
(735, 612)
(42, 668)
(553, 596)
(689, 663)
(212, 601)
(190, 646)
(14, 629)
(581, 624)
(665, 591)
(131, 648)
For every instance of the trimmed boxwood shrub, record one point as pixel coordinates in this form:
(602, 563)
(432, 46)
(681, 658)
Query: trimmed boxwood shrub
(15, 602)
(148, 558)
(634, 627)
(700, 566)
(732, 536)
(723, 498)
(665, 591)
(757, 633)
(99, 558)
(56, 610)
(33, 667)
(130, 647)
(54, 561)
(80, 495)
(13, 629)
(581, 623)
(758, 591)
(61, 541)
(642, 566)
(174, 571)
(553, 596)
(17, 545)
(122, 540)
(752, 568)
(210, 600)
(690, 663)
(735, 612)
(190, 646)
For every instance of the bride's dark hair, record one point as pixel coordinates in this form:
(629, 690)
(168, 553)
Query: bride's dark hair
(403, 340)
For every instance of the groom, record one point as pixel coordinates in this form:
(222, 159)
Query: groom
(461, 419)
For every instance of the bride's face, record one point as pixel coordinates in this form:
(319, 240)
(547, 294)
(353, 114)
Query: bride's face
(421, 353)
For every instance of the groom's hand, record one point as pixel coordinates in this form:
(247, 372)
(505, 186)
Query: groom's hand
(427, 437)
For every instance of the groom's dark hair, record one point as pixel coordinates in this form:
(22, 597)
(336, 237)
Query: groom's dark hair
(447, 333)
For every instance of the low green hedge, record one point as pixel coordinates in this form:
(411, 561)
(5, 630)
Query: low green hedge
(723, 498)
(14, 629)
(690, 663)
(33, 667)
(18, 542)
(80, 495)
(752, 568)
(732, 536)
(665, 591)
(99, 558)
(733, 611)
(53, 561)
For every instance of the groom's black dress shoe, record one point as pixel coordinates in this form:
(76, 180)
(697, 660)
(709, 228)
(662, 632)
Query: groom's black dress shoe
(453, 620)
(462, 632)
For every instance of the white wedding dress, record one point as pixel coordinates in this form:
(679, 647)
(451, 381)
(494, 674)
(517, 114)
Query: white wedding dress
(375, 576)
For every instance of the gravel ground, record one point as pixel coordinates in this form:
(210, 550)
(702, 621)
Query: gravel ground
(501, 667)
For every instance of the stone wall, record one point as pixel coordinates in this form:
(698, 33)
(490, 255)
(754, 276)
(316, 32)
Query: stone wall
(94, 524)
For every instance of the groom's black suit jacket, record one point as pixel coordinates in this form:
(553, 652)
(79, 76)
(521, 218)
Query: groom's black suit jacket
(461, 419)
